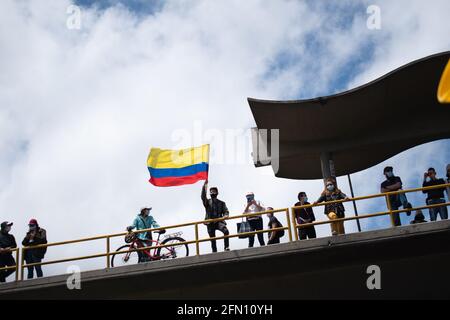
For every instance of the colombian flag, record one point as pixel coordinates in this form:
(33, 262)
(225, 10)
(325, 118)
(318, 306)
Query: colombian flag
(170, 168)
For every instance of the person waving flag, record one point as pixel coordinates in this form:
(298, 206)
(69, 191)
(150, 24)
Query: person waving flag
(169, 168)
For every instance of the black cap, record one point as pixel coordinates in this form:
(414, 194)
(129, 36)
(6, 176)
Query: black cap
(6, 224)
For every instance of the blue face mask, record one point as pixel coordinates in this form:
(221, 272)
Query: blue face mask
(330, 187)
(389, 174)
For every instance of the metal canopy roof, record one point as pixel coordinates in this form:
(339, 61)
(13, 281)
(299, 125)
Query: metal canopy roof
(361, 127)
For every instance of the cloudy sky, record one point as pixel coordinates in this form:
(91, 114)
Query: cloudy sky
(80, 108)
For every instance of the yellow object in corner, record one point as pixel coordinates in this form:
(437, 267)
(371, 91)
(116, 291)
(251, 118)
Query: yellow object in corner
(443, 93)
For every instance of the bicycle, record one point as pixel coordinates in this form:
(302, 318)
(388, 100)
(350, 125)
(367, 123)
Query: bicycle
(132, 257)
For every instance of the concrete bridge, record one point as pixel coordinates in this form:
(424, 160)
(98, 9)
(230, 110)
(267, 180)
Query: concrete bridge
(414, 262)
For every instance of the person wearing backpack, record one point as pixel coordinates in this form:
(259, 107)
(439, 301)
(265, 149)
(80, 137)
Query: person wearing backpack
(144, 221)
(274, 236)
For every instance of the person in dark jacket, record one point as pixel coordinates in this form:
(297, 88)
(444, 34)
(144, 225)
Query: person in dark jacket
(274, 236)
(394, 183)
(434, 196)
(333, 210)
(35, 236)
(303, 216)
(7, 242)
(215, 209)
(419, 218)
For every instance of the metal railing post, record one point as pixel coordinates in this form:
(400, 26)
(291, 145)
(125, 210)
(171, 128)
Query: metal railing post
(22, 262)
(197, 245)
(108, 249)
(294, 223)
(289, 224)
(17, 264)
(388, 202)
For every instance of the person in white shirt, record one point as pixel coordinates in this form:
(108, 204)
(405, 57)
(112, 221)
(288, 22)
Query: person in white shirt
(256, 222)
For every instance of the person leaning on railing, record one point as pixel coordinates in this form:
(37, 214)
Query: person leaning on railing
(256, 222)
(434, 196)
(35, 236)
(304, 215)
(394, 183)
(274, 236)
(7, 242)
(333, 210)
(214, 209)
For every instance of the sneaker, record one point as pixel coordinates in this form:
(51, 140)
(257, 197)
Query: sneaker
(227, 249)
(408, 207)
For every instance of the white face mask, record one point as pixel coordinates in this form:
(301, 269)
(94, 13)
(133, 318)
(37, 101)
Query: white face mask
(330, 188)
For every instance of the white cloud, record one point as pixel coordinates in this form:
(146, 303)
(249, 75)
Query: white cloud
(79, 109)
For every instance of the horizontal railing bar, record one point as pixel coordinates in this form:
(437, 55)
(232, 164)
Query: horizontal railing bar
(383, 213)
(153, 229)
(370, 197)
(150, 248)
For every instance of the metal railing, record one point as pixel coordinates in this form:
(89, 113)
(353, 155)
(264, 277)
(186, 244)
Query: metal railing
(292, 228)
(386, 195)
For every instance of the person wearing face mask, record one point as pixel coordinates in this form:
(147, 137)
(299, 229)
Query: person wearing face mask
(333, 210)
(35, 236)
(434, 196)
(144, 221)
(256, 222)
(215, 209)
(393, 183)
(7, 242)
(304, 215)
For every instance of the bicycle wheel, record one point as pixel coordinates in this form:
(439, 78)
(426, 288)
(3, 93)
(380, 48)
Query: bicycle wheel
(124, 259)
(176, 249)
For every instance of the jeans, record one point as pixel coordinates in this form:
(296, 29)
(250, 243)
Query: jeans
(306, 233)
(255, 225)
(6, 261)
(222, 227)
(434, 211)
(397, 201)
(31, 258)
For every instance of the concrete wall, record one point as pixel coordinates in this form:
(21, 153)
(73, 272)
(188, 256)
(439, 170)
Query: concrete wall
(414, 262)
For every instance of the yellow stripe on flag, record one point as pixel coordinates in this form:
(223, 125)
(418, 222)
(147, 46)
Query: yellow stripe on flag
(443, 93)
(165, 158)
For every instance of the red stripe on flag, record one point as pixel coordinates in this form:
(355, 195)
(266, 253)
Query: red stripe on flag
(178, 181)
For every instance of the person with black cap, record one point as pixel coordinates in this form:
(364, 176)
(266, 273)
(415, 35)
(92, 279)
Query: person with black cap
(35, 236)
(434, 196)
(7, 242)
(214, 209)
(393, 183)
